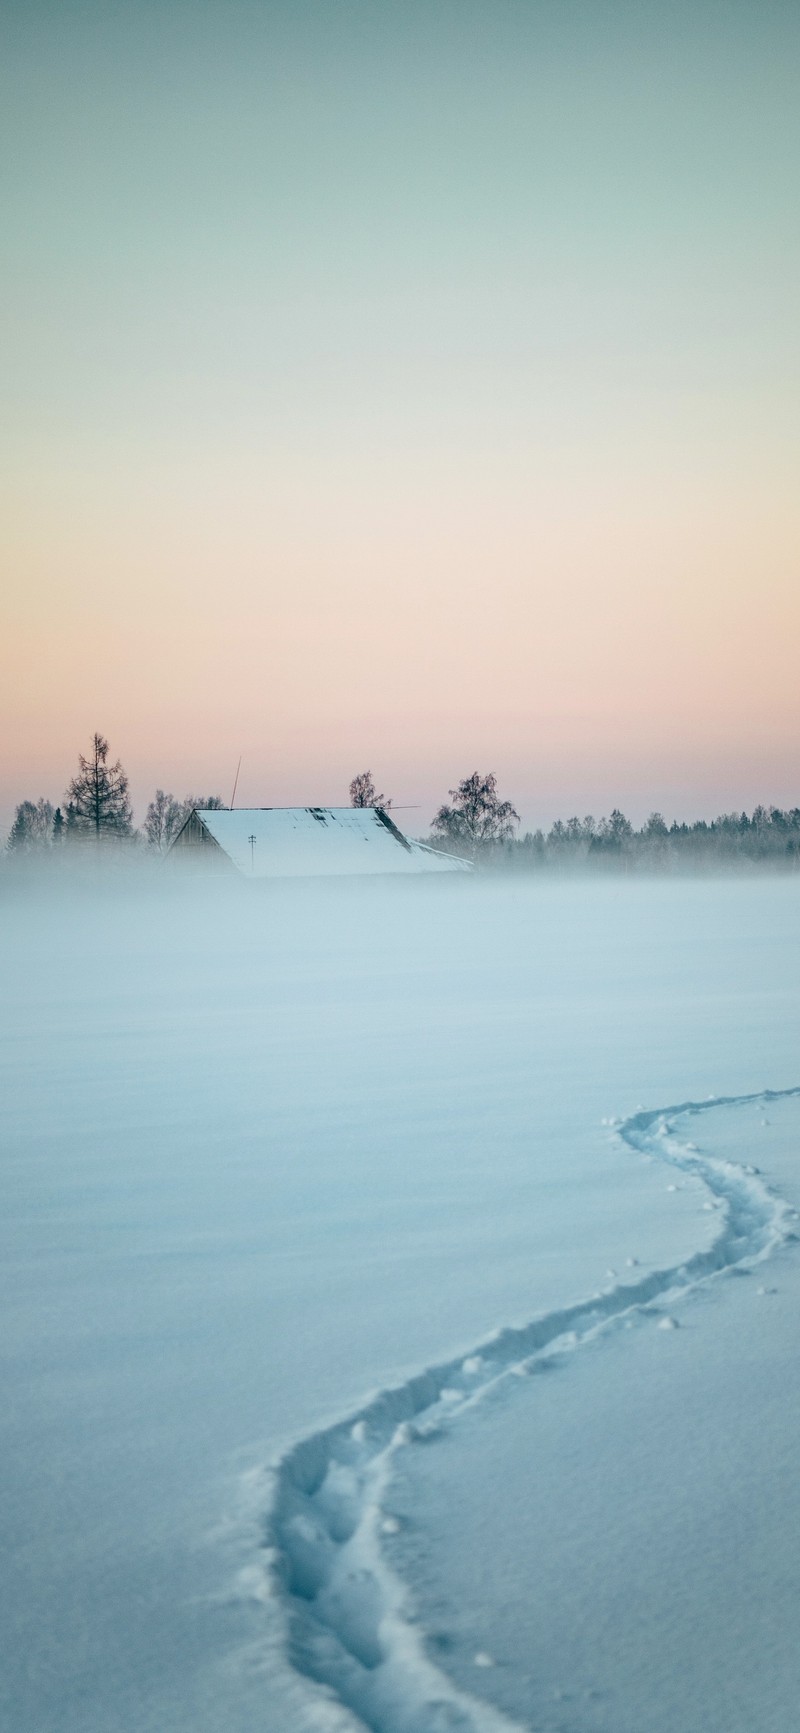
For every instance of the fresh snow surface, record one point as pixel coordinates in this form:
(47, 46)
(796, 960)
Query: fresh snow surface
(302, 1189)
(621, 1534)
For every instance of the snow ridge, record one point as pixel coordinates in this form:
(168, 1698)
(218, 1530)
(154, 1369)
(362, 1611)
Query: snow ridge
(348, 1626)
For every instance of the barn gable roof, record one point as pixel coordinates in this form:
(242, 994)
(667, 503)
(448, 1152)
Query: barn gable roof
(311, 841)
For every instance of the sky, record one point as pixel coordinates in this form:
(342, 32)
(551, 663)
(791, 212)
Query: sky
(408, 384)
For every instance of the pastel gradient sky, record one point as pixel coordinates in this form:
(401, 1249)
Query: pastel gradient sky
(403, 383)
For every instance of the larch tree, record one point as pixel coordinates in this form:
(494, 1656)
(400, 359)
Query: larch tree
(97, 799)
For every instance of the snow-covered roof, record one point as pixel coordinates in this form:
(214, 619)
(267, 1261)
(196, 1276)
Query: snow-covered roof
(319, 841)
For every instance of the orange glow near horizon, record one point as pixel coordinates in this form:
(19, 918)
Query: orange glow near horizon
(414, 418)
(585, 648)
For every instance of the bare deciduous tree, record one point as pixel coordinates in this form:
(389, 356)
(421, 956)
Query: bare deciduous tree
(166, 815)
(205, 803)
(477, 818)
(32, 827)
(162, 819)
(364, 793)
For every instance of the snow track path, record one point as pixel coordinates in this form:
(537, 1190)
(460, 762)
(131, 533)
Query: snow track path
(347, 1620)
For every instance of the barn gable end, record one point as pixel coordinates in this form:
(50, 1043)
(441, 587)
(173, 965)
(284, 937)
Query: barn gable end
(195, 842)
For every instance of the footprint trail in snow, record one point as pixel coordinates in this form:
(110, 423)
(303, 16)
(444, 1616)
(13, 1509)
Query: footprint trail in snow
(348, 1620)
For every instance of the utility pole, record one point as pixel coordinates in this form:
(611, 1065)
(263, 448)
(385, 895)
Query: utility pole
(252, 842)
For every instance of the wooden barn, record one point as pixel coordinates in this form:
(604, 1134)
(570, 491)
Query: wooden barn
(266, 842)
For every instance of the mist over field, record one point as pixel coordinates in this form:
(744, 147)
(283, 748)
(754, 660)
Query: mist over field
(399, 1193)
(269, 1149)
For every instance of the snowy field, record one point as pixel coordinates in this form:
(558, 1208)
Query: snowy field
(383, 1345)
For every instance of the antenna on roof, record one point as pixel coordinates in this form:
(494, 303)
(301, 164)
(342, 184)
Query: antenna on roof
(236, 781)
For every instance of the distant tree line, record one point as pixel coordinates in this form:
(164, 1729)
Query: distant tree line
(769, 836)
(481, 825)
(96, 807)
(475, 822)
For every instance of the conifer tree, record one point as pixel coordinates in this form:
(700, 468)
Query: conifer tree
(98, 795)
